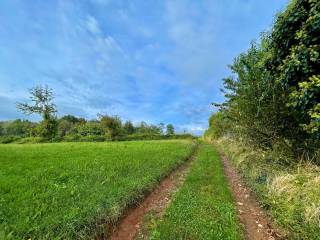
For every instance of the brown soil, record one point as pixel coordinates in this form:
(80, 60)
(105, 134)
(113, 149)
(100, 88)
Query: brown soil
(156, 202)
(257, 225)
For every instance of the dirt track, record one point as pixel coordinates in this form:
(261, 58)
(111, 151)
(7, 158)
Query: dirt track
(257, 225)
(156, 201)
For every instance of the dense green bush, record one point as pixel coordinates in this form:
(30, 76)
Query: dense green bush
(273, 96)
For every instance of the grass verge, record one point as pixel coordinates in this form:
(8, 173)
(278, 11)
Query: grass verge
(62, 190)
(203, 208)
(290, 193)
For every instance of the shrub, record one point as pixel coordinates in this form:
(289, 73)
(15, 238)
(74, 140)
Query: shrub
(9, 139)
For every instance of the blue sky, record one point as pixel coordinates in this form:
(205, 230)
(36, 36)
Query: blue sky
(154, 61)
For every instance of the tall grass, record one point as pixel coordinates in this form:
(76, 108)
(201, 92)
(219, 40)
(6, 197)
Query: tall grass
(65, 190)
(290, 193)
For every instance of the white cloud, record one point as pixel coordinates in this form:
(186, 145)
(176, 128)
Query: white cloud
(196, 129)
(92, 25)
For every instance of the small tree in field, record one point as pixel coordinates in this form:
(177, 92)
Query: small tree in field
(42, 98)
(170, 129)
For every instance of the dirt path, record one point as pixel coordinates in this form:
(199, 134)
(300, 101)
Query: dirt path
(157, 201)
(257, 225)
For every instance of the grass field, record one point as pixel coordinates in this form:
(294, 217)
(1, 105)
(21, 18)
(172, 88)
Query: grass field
(203, 208)
(62, 190)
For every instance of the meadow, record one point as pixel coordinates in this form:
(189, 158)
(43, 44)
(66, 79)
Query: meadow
(70, 190)
(203, 208)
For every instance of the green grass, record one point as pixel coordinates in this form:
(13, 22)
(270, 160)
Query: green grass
(203, 208)
(63, 190)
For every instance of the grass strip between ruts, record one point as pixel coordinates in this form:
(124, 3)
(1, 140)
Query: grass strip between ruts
(203, 208)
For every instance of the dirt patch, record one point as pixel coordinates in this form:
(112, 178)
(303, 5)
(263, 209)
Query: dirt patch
(156, 202)
(257, 225)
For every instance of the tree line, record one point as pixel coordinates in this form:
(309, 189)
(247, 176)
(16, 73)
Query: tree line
(272, 98)
(72, 128)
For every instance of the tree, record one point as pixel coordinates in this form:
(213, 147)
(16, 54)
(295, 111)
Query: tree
(64, 127)
(73, 119)
(161, 128)
(42, 98)
(128, 127)
(170, 129)
(273, 94)
(111, 124)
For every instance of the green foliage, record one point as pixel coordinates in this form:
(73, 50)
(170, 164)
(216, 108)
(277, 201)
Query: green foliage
(295, 61)
(9, 139)
(218, 126)
(170, 129)
(42, 98)
(72, 119)
(145, 129)
(203, 208)
(47, 128)
(307, 97)
(111, 125)
(64, 127)
(128, 128)
(22, 128)
(66, 190)
(89, 128)
(273, 95)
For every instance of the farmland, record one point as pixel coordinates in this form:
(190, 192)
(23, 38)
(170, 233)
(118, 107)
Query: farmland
(64, 190)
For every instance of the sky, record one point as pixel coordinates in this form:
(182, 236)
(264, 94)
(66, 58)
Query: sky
(143, 60)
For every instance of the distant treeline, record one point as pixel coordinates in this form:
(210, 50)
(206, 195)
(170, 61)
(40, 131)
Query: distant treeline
(273, 96)
(71, 128)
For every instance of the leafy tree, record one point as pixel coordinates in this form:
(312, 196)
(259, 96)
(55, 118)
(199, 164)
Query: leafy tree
(294, 61)
(170, 129)
(73, 119)
(128, 127)
(67, 125)
(273, 94)
(161, 128)
(42, 98)
(111, 124)
(64, 127)
(47, 128)
(146, 129)
(90, 128)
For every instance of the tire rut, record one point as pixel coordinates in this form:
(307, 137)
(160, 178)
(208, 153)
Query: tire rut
(157, 201)
(257, 225)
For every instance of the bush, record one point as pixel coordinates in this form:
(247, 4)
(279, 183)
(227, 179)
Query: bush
(92, 138)
(30, 140)
(9, 139)
(72, 138)
(47, 128)
(273, 93)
